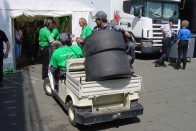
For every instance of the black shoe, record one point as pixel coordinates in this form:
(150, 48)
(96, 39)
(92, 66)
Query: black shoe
(56, 88)
(184, 66)
(176, 67)
(163, 64)
(157, 65)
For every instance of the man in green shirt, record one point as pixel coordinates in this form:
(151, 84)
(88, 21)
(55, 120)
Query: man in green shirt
(86, 31)
(45, 39)
(60, 56)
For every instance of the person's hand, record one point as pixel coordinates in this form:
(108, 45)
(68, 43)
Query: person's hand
(73, 40)
(5, 55)
(177, 46)
(79, 39)
(117, 28)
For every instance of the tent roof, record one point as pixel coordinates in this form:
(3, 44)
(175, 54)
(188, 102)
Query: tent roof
(44, 5)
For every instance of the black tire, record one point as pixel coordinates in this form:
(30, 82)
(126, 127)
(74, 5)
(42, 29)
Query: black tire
(71, 114)
(107, 65)
(103, 40)
(47, 87)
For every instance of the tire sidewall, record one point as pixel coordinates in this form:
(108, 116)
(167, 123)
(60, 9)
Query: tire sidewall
(46, 86)
(71, 110)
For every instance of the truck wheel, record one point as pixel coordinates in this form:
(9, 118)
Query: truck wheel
(71, 114)
(47, 87)
(103, 40)
(107, 65)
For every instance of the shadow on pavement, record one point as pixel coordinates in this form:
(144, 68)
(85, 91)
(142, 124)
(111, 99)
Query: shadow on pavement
(18, 111)
(147, 56)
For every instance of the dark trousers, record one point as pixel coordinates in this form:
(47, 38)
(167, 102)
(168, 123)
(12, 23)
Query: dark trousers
(182, 51)
(166, 46)
(45, 61)
(1, 66)
(130, 49)
(57, 75)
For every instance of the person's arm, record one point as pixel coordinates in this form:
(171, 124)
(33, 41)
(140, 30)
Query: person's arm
(175, 33)
(51, 39)
(21, 37)
(7, 49)
(63, 27)
(178, 36)
(56, 42)
(163, 30)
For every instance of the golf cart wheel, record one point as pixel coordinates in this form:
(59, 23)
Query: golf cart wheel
(47, 87)
(71, 114)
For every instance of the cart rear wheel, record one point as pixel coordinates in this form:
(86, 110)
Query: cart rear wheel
(71, 114)
(47, 87)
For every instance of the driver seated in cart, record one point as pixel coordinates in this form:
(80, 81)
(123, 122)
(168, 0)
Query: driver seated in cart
(58, 61)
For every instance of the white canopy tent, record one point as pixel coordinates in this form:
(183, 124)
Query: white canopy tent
(10, 9)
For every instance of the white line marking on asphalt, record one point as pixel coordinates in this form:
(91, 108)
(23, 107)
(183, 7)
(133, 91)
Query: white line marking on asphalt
(11, 115)
(6, 102)
(12, 107)
(7, 88)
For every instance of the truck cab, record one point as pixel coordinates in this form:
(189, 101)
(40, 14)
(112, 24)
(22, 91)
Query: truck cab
(143, 18)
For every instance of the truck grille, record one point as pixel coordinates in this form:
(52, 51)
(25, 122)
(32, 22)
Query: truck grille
(157, 34)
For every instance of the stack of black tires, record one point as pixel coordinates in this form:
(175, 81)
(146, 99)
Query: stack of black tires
(105, 56)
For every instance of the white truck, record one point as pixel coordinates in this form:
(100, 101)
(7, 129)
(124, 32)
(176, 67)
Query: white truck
(142, 18)
(95, 101)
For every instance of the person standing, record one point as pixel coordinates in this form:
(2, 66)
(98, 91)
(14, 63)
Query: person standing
(45, 39)
(184, 35)
(3, 38)
(166, 42)
(86, 31)
(103, 24)
(31, 37)
(18, 45)
(101, 21)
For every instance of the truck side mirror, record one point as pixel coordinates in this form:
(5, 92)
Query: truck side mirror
(137, 11)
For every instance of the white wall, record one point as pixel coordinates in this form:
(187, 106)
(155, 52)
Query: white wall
(6, 26)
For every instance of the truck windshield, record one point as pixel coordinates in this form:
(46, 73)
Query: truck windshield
(161, 10)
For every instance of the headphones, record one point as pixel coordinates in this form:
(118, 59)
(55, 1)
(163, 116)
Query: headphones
(68, 41)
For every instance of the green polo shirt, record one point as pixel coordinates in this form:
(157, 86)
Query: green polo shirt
(45, 37)
(55, 34)
(86, 31)
(61, 55)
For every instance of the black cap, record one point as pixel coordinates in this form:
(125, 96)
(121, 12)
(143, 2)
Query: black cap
(64, 36)
(171, 20)
(101, 15)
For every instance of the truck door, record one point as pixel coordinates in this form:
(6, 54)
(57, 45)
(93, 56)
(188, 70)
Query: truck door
(128, 21)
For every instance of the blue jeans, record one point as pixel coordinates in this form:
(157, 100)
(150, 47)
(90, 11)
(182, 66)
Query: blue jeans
(18, 48)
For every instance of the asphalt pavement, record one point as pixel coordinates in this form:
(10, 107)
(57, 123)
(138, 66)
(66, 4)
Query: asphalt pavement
(168, 97)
